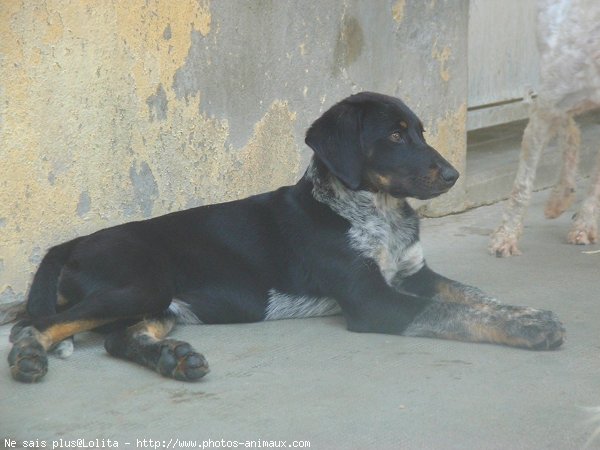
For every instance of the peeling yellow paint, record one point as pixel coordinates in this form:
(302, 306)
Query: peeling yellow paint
(442, 57)
(205, 166)
(398, 10)
(448, 135)
(36, 56)
(75, 123)
(141, 26)
(268, 159)
(54, 27)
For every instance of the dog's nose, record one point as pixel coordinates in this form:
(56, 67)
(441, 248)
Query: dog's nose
(449, 174)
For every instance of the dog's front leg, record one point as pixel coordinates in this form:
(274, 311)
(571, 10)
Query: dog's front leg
(429, 284)
(378, 308)
(515, 326)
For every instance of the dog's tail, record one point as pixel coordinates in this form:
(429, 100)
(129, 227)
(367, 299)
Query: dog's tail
(42, 297)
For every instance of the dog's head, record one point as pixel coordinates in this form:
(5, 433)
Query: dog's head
(375, 142)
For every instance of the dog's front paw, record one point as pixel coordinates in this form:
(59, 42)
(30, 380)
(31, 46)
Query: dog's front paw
(179, 360)
(503, 243)
(27, 360)
(533, 329)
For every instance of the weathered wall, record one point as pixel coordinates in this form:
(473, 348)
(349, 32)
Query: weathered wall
(119, 110)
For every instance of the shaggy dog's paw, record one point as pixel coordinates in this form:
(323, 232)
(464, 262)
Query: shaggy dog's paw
(583, 232)
(503, 243)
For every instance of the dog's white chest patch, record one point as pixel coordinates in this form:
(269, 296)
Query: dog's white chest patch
(382, 228)
(382, 232)
(386, 236)
(403, 263)
(284, 306)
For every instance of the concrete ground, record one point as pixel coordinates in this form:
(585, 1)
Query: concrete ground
(311, 380)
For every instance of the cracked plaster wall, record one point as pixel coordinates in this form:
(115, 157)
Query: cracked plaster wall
(121, 110)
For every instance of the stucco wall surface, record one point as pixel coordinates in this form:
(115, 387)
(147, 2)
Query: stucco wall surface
(117, 110)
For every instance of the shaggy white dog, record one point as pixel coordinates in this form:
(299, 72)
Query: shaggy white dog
(569, 44)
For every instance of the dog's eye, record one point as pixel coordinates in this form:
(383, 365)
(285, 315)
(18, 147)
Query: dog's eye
(396, 136)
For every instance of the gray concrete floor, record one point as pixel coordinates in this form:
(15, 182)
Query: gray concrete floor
(310, 380)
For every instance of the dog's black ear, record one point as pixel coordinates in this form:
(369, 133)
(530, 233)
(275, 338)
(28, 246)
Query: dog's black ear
(335, 137)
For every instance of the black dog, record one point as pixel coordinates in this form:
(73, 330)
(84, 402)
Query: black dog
(342, 239)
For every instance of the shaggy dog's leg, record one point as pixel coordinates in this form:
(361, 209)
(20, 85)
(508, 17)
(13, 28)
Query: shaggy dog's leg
(563, 194)
(585, 227)
(538, 133)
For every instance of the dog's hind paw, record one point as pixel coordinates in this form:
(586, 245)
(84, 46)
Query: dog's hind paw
(179, 360)
(583, 233)
(504, 243)
(27, 360)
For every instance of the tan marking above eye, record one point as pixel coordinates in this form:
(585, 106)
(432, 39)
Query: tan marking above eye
(403, 124)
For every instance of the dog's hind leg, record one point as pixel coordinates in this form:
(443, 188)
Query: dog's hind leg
(43, 299)
(28, 359)
(562, 195)
(144, 343)
(536, 136)
(62, 349)
(585, 226)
